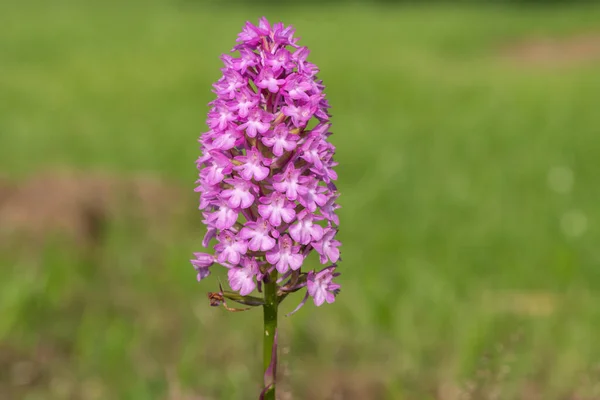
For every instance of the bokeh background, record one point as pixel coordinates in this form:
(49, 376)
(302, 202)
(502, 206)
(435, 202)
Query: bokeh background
(468, 140)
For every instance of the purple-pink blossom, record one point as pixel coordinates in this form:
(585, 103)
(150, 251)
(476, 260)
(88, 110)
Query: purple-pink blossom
(281, 140)
(276, 208)
(253, 165)
(327, 247)
(321, 287)
(240, 193)
(230, 248)
(265, 180)
(286, 255)
(201, 264)
(258, 121)
(287, 182)
(257, 234)
(305, 231)
(242, 278)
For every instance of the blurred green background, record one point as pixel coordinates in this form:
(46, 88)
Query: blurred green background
(468, 148)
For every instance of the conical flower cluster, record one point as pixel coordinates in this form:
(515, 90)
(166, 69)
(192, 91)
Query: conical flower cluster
(266, 169)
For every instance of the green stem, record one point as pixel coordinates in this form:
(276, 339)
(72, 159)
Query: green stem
(270, 320)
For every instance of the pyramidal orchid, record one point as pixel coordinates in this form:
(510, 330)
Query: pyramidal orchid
(266, 181)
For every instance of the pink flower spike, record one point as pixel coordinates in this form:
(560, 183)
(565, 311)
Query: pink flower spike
(265, 180)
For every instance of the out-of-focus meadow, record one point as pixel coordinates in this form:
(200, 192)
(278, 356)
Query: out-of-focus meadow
(468, 146)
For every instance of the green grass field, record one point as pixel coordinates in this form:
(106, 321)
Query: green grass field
(470, 194)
